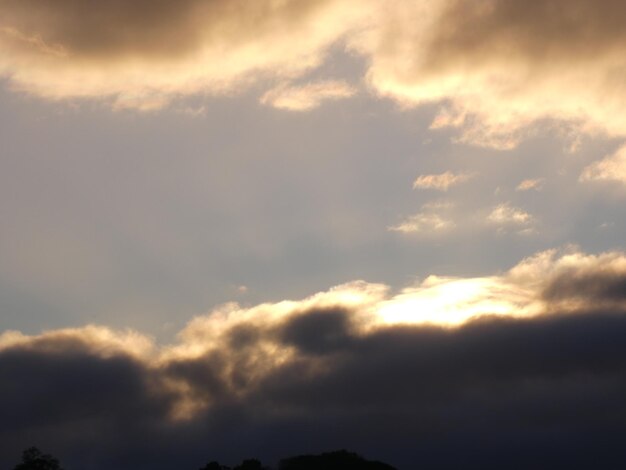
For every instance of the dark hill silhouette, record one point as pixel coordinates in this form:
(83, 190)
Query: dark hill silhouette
(338, 460)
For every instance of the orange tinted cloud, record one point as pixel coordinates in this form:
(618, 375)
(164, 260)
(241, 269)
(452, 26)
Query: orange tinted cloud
(142, 53)
(501, 66)
(497, 67)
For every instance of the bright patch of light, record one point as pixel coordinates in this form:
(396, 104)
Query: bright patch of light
(452, 301)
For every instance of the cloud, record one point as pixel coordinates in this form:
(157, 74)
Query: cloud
(425, 221)
(610, 168)
(505, 214)
(441, 217)
(141, 53)
(591, 281)
(496, 68)
(101, 341)
(533, 356)
(501, 67)
(307, 97)
(442, 181)
(531, 184)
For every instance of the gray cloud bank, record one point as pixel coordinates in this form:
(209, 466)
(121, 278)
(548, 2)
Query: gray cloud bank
(506, 391)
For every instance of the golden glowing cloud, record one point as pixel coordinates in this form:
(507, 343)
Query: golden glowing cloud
(451, 301)
(497, 67)
(142, 53)
(533, 286)
(102, 341)
(501, 66)
(443, 301)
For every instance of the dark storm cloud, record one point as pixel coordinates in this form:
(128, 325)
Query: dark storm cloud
(276, 380)
(419, 365)
(318, 331)
(74, 385)
(601, 287)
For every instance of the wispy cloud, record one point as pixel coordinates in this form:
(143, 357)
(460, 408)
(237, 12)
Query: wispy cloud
(505, 214)
(610, 168)
(433, 218)
(531, 184)
(423, 222)
(442, 181)
(307, 97)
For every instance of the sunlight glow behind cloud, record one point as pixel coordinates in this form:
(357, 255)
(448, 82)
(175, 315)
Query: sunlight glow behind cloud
(243, 356)
(532, 287)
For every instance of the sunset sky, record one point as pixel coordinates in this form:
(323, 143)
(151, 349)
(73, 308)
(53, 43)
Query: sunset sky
(234, 228)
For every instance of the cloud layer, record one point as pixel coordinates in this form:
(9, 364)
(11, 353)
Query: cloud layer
(142, 53)
(505, 65)
(497, 67)
(530, 359)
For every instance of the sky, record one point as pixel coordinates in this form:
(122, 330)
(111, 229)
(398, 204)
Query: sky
(238, 229)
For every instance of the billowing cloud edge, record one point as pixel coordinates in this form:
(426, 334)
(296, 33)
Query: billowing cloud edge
(61, 50)
(248, 344)
(548, 334)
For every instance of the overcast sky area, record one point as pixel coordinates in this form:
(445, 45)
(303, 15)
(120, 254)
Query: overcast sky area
(264, 228)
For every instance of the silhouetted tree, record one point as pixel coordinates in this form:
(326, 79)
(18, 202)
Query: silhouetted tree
(33, 459)
(338, 460)
(214, 466)
(250, 464)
